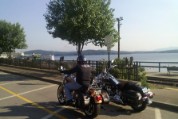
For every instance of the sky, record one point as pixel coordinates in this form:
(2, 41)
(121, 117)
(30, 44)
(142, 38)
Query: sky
(147, 25)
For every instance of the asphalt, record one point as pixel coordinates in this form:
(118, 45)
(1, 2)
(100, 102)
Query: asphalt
(166, 98)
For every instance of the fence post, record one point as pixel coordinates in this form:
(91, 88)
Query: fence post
(89, 62)
(97, 67)
(159, 66)
(49, 64)
(136, 71)
(40, 63)
(109, 64)
(128, 72)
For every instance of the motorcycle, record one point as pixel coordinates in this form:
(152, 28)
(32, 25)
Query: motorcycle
(88, 99)
(124, 92)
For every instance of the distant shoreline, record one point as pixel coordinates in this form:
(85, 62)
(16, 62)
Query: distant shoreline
(93, 52)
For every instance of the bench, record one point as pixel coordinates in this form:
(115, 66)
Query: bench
(173, 68)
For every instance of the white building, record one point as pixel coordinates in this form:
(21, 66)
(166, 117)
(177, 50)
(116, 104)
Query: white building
(48, 57)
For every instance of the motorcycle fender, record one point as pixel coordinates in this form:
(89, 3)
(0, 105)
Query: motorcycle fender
(105, 96)
(86, 100)
(147, 100)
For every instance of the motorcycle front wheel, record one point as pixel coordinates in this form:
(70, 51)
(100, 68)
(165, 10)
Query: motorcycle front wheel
(92, 109)
(60, 94)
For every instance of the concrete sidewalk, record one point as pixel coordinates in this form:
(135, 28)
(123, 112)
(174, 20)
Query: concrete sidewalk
(167, 97)
(163, 78)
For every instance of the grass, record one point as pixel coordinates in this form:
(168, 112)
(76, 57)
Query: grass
(158, 86)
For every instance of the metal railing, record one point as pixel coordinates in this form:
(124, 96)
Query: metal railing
(125, 72)
(158, 65)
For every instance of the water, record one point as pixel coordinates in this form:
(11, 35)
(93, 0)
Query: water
(140, 57)
(146, 57)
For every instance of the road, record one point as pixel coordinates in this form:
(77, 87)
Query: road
(28, 98)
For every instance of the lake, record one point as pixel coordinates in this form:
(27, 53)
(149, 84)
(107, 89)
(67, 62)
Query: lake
(140, 57)
(147, 57)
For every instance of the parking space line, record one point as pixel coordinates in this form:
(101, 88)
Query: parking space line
(57, 111)
(157, 113)
(33, 103)
(27, 92)
(10, 83)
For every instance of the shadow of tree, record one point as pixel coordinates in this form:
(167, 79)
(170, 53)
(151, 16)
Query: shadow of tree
(11, 77)
(26, 111)
(6, 77)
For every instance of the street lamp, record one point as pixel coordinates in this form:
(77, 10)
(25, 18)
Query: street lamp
(119, 19)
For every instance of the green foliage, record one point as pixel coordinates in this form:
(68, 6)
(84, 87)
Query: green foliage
(121, 71)
(36, 56)
(11, 37)
(126, 70)
(142, 77)
(101, 66)
(115, 72)
(80, 21)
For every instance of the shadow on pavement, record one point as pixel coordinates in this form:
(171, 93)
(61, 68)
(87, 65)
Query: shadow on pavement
(28, 111)
(11, 77)
(25, 111)
(117, 109)
(163, 106)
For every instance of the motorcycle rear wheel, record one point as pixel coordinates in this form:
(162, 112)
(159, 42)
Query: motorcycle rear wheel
(92, 109)
(140, 105)
(60, 95)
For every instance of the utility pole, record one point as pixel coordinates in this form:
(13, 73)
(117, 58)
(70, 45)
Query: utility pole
(119, 19)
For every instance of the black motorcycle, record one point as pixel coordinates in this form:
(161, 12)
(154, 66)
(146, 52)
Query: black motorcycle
(124, 92)
(87, 99)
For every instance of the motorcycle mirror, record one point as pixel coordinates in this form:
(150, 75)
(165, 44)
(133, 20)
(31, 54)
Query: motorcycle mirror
(61, 68)
(112, 61)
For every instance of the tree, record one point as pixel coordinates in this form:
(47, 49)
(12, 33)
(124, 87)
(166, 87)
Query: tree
(80, 21)
(11, 37)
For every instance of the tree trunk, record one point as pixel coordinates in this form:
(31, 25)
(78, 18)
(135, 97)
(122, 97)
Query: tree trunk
(79, 48)
(9, 55)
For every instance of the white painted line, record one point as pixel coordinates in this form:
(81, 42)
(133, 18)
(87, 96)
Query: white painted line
(11, 83)
(28, 92)
(57, 111)
(157, 113)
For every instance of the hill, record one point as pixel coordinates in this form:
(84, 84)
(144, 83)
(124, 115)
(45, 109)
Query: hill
(85, 52)
(92, 52)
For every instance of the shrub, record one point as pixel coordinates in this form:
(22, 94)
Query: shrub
(142, 77)
(125, 69)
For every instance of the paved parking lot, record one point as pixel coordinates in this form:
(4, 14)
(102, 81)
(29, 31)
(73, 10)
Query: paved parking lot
(27, 98)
